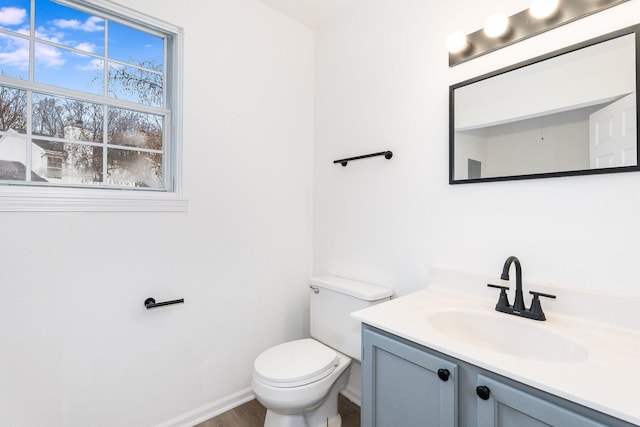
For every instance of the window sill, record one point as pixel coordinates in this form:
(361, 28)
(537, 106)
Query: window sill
(77, 200)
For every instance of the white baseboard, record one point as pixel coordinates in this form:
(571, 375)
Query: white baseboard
(211, 410)
(218, 407)
(352, 394)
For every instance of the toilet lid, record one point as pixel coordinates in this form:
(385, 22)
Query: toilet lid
(295, 363)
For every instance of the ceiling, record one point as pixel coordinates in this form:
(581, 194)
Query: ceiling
(312, 13)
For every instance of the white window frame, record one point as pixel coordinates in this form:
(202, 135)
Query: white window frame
(20, 198)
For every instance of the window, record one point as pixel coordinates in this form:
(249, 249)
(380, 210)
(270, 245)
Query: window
(89, 96)
(54, 167)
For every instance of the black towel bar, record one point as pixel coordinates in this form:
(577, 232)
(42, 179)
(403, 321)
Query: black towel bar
(151, 302)
(387, 155)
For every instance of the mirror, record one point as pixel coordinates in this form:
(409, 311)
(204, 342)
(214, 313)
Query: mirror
(571, 112)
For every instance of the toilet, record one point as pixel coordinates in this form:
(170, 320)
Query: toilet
(299, 381)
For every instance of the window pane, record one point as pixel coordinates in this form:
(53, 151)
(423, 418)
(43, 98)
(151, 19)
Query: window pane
(41, 152)
(13, 109)
(63, 68)
(134, 129)
(67, 163)
(135, 85)
(64, 25)
(127, 168)
(14, 15)
(67, 118)
(135, 47)
(13, 155)
(14, 57)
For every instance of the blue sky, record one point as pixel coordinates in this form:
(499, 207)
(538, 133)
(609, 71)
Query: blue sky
(69, 28)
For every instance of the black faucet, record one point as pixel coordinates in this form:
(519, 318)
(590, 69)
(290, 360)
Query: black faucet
(518, 304)
(518, 308)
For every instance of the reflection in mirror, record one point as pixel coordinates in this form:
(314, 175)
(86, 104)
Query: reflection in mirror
(572, 112)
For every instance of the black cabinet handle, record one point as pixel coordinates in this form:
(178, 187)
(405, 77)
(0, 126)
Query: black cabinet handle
(443, 374)
(483, 392)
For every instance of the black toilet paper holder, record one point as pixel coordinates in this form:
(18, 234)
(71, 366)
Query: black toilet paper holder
(151, 303)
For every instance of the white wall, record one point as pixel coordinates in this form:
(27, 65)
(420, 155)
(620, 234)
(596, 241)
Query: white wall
(557, 142)
(77, 347)
(382, 83)
(470, 145)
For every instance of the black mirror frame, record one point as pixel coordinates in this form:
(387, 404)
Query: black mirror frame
(629, 30)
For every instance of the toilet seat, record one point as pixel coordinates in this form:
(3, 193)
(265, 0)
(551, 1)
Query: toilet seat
(295, 363)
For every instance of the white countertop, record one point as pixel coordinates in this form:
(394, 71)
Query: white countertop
(606, 380)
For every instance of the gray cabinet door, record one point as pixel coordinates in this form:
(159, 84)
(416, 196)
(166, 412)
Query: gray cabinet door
(510, 407)
(401, 386)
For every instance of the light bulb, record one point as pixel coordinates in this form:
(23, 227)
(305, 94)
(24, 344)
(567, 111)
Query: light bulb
(496, 25)
(457, 42)
(541, 9)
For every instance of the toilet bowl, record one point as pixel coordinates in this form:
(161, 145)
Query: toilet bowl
(299, 381)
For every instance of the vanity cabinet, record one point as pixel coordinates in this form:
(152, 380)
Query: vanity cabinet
(403, 384)
(508, 406)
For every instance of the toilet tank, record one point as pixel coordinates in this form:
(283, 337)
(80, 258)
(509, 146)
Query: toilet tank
(332, 300)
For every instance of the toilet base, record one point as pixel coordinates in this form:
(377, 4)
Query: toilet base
(324, 415)
(274, 419)
(280, 420)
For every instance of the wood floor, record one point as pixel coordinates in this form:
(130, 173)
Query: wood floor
(252, 414)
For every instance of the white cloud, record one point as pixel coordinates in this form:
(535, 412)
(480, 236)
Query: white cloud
(92, 24)
(43, 34)
(93, 65)
(87, 47)
(14, 52)
(17, 58)
(12, 15)
(49, 56)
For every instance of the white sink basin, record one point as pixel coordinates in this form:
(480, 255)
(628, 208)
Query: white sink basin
(508, 335)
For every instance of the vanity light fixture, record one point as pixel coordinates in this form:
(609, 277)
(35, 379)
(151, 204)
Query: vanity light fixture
(496, 25)
(457, 42)
(501, 31)
(542, 9)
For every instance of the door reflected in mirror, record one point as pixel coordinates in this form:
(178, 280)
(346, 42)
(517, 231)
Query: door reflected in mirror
(572, 112)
